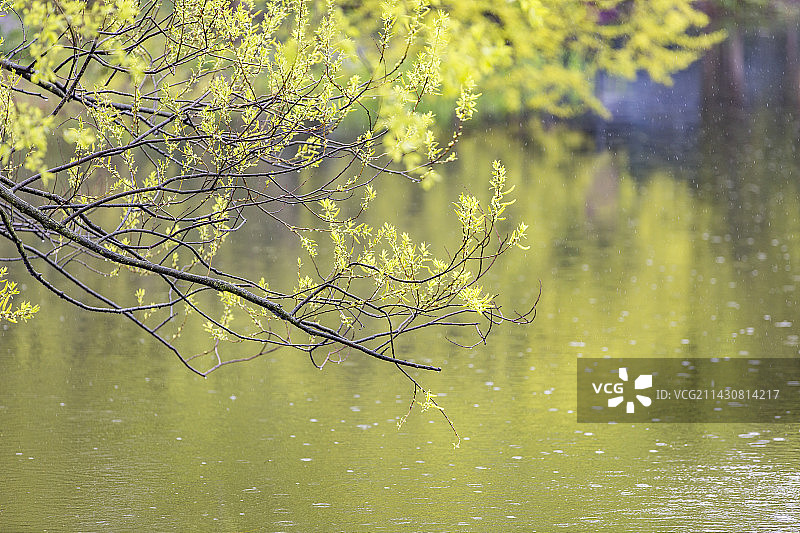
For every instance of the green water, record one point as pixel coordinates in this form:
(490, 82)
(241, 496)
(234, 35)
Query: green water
(101, 430)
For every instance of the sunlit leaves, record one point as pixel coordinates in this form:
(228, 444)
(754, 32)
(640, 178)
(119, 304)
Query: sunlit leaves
(467, 100)
(542, 55)
(183, 121)
(8, 289)
(405, 272)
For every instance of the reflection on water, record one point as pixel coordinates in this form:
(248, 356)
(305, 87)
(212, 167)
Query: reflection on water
(101, 430)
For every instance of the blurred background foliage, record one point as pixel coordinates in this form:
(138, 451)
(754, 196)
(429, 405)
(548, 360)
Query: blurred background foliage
(542, 55)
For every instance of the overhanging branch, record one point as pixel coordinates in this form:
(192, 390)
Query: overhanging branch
(311, 328)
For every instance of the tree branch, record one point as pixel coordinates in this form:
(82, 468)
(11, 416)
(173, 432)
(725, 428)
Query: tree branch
(214, 283)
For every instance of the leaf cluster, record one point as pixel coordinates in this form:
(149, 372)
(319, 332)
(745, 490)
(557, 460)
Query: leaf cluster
(543, 55)
(184, 120)
(24, 311)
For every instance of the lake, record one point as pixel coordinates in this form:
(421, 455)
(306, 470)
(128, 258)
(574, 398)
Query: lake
(649, 239)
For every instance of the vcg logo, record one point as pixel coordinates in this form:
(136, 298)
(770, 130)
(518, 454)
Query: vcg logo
(644, 381)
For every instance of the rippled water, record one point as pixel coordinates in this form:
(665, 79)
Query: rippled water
(102, 431)
(245, 452)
